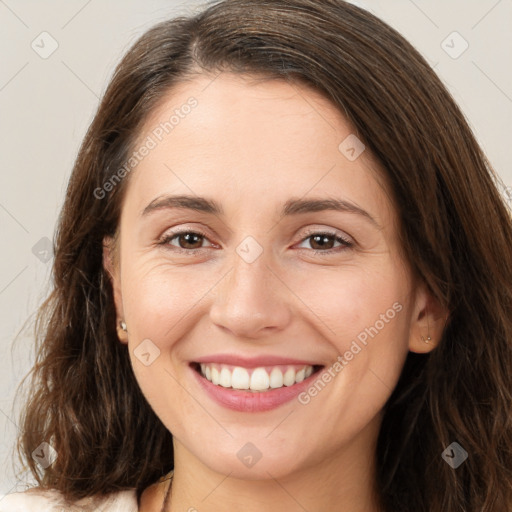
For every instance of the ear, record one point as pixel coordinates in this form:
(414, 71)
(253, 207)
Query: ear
(111, 265)
(428, 321)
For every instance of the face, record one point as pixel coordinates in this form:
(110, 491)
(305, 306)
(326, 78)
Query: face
(266, 327)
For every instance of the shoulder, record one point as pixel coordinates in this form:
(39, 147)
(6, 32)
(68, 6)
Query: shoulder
(51, 500)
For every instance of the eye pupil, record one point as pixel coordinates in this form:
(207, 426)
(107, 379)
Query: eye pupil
(187, 237)
(323, 241)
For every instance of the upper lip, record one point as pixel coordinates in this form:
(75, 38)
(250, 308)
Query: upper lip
(253, 362)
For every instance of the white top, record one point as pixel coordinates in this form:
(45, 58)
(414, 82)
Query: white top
(37, 500)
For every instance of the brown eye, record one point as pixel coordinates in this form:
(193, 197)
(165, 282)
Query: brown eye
(324, 242)
(187, 241)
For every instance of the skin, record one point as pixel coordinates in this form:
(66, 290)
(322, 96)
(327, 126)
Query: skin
(290, 301)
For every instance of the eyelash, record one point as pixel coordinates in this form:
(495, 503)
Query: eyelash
(346, 244)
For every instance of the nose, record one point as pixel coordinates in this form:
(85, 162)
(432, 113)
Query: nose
(252, 301)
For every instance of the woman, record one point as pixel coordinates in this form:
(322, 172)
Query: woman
(282, 281)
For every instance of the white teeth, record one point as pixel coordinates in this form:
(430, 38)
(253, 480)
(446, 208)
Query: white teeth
(239, 378)
(257, 379)
(289, 377)
(225, 378)
(276, 378)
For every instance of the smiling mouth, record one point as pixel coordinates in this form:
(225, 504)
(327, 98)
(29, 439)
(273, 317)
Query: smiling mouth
(256, 380)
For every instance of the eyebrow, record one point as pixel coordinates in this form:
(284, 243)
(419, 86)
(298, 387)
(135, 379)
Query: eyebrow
(291, 207)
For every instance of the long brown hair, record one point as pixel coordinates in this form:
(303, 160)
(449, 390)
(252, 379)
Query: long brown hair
(455, 231)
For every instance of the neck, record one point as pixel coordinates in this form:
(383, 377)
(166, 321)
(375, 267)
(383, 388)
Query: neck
(343, 481)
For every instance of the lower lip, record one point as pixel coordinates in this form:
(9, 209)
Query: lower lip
(248, 401)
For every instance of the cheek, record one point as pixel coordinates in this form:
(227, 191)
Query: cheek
(160, 304)
(158, 299)
(365, 318)
(359, 304)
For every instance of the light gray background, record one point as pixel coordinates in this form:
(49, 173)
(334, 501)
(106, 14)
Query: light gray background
(47, 104)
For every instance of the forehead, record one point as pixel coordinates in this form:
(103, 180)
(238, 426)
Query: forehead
(250, 109)
(260, 140)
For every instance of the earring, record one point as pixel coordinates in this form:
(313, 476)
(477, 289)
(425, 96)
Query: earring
(122, 324)
(429, 339)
